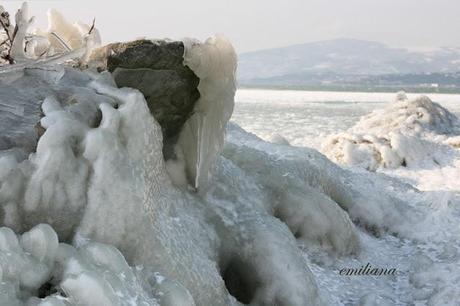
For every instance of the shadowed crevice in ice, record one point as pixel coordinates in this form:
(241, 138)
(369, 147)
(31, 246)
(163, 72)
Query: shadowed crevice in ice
(240, 280)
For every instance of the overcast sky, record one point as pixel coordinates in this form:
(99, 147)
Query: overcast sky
(260, 24)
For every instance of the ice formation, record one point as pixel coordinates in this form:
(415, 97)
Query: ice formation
(202, 136)
(36, 264)
(102, 221)
(105, 180)
(27, 45)
(413, 133)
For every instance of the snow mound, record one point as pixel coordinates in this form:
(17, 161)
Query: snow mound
(406, 132)
(417, 116)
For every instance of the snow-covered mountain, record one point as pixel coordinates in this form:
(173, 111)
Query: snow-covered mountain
(342, 57)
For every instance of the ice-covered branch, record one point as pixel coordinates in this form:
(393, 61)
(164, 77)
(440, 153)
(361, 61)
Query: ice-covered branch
(62, 38)
(23, 22)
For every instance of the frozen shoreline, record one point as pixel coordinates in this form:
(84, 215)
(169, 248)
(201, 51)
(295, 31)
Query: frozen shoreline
(304, 119)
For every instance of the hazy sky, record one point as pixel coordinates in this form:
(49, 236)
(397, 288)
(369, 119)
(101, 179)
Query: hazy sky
(259, 24)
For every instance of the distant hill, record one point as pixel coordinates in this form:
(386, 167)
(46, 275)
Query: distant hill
(349, 62)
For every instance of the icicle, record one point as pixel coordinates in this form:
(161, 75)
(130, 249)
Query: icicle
(202, 136)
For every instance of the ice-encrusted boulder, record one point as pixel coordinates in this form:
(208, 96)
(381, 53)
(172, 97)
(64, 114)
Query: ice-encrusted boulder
(156, 68)
(407, 132)
(191, 97)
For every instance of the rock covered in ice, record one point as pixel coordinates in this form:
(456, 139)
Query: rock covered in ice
(100, 158)
(404, 133)
(190, 91)
(156, 68)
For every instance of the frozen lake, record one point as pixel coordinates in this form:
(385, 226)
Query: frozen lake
(304, 117)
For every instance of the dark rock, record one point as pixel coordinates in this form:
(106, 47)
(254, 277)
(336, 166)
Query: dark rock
(155, 68)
